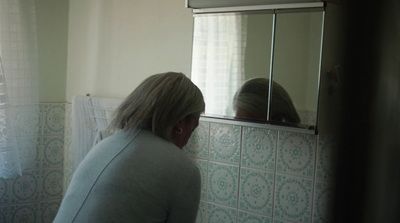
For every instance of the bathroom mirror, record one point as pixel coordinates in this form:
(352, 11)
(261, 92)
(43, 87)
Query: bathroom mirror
(231, 49)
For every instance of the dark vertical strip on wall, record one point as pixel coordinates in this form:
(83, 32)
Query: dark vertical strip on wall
(367, 182)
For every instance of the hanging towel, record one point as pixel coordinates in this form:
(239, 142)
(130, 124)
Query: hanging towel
(102, 110)
(90, 118)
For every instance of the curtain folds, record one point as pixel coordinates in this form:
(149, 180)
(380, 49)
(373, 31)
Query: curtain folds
(19, 90)
(219, 43)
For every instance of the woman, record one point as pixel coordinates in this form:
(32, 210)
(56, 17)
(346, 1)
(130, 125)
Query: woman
(140, 174)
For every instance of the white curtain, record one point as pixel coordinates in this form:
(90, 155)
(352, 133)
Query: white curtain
(19, 109)
(219, 44)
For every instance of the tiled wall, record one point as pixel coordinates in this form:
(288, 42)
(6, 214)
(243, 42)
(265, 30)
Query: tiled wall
(249, 174)
(68, 160)
(36, 195)
(256, 174)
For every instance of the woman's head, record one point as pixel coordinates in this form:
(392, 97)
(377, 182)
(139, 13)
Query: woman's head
(251, 101)
(159, 103)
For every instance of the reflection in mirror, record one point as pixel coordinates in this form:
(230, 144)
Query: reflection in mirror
(228, 49)
(250, 102)
(296, 63)
(232, 48)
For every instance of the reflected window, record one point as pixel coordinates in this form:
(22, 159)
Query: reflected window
(219, 44)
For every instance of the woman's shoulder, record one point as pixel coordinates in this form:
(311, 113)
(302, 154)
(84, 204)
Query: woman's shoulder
(148, 139)
(166, 150)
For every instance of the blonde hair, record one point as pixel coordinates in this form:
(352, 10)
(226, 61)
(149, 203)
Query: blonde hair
(159, 103)
(252, 96)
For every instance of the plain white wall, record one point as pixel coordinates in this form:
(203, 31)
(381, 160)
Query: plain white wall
(114, 45)
(52, 39)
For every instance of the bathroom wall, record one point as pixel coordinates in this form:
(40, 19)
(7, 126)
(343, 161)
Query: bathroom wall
(253, 172)
(258, 173)
(250, 173)
(36, 195)
(114, 45)
(106, 48)
(52, 39)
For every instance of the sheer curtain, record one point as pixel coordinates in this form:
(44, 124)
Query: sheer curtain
(219, 43)
(19, 109)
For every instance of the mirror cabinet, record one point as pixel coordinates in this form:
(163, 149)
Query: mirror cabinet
(238, 50)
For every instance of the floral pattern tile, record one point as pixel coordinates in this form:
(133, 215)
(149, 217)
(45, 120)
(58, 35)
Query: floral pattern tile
(218, 213)
(296, 154)
(259, 147)
(225, 143)
(202, 213)
(325, 158)
(29, 150)
(26, 188)
(68, 120)
(24, 213)
(293, 198)
(203, 167)
(36, 195)
(68, 154)
(322, 202)
(67, 179)
(68, 162)
(53, 151)
(48, 210)
(52, 184)
(198, 143)
(281, 221)
(53, 119)
(27, 120)
(248, 217)
(4, 214)
(236, 164)
(256, 191)
(223, 183)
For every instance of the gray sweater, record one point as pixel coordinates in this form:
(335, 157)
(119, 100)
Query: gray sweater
(135, 177)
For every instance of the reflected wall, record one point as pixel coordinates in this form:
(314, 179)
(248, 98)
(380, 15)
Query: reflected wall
(296, 63)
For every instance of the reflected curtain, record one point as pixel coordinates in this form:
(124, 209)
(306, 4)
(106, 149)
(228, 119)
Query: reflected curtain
(19, 109)
(219, 43)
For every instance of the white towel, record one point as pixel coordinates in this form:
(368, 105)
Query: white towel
(102, 110)
(91, 116)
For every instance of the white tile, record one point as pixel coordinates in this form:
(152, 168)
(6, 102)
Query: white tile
(223, 184)
(225, 143)
(259, 148)
(293, 198)
(256, 191)
(296, 154)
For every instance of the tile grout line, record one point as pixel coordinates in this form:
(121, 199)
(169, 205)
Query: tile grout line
(240, 172)
(275, 172)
